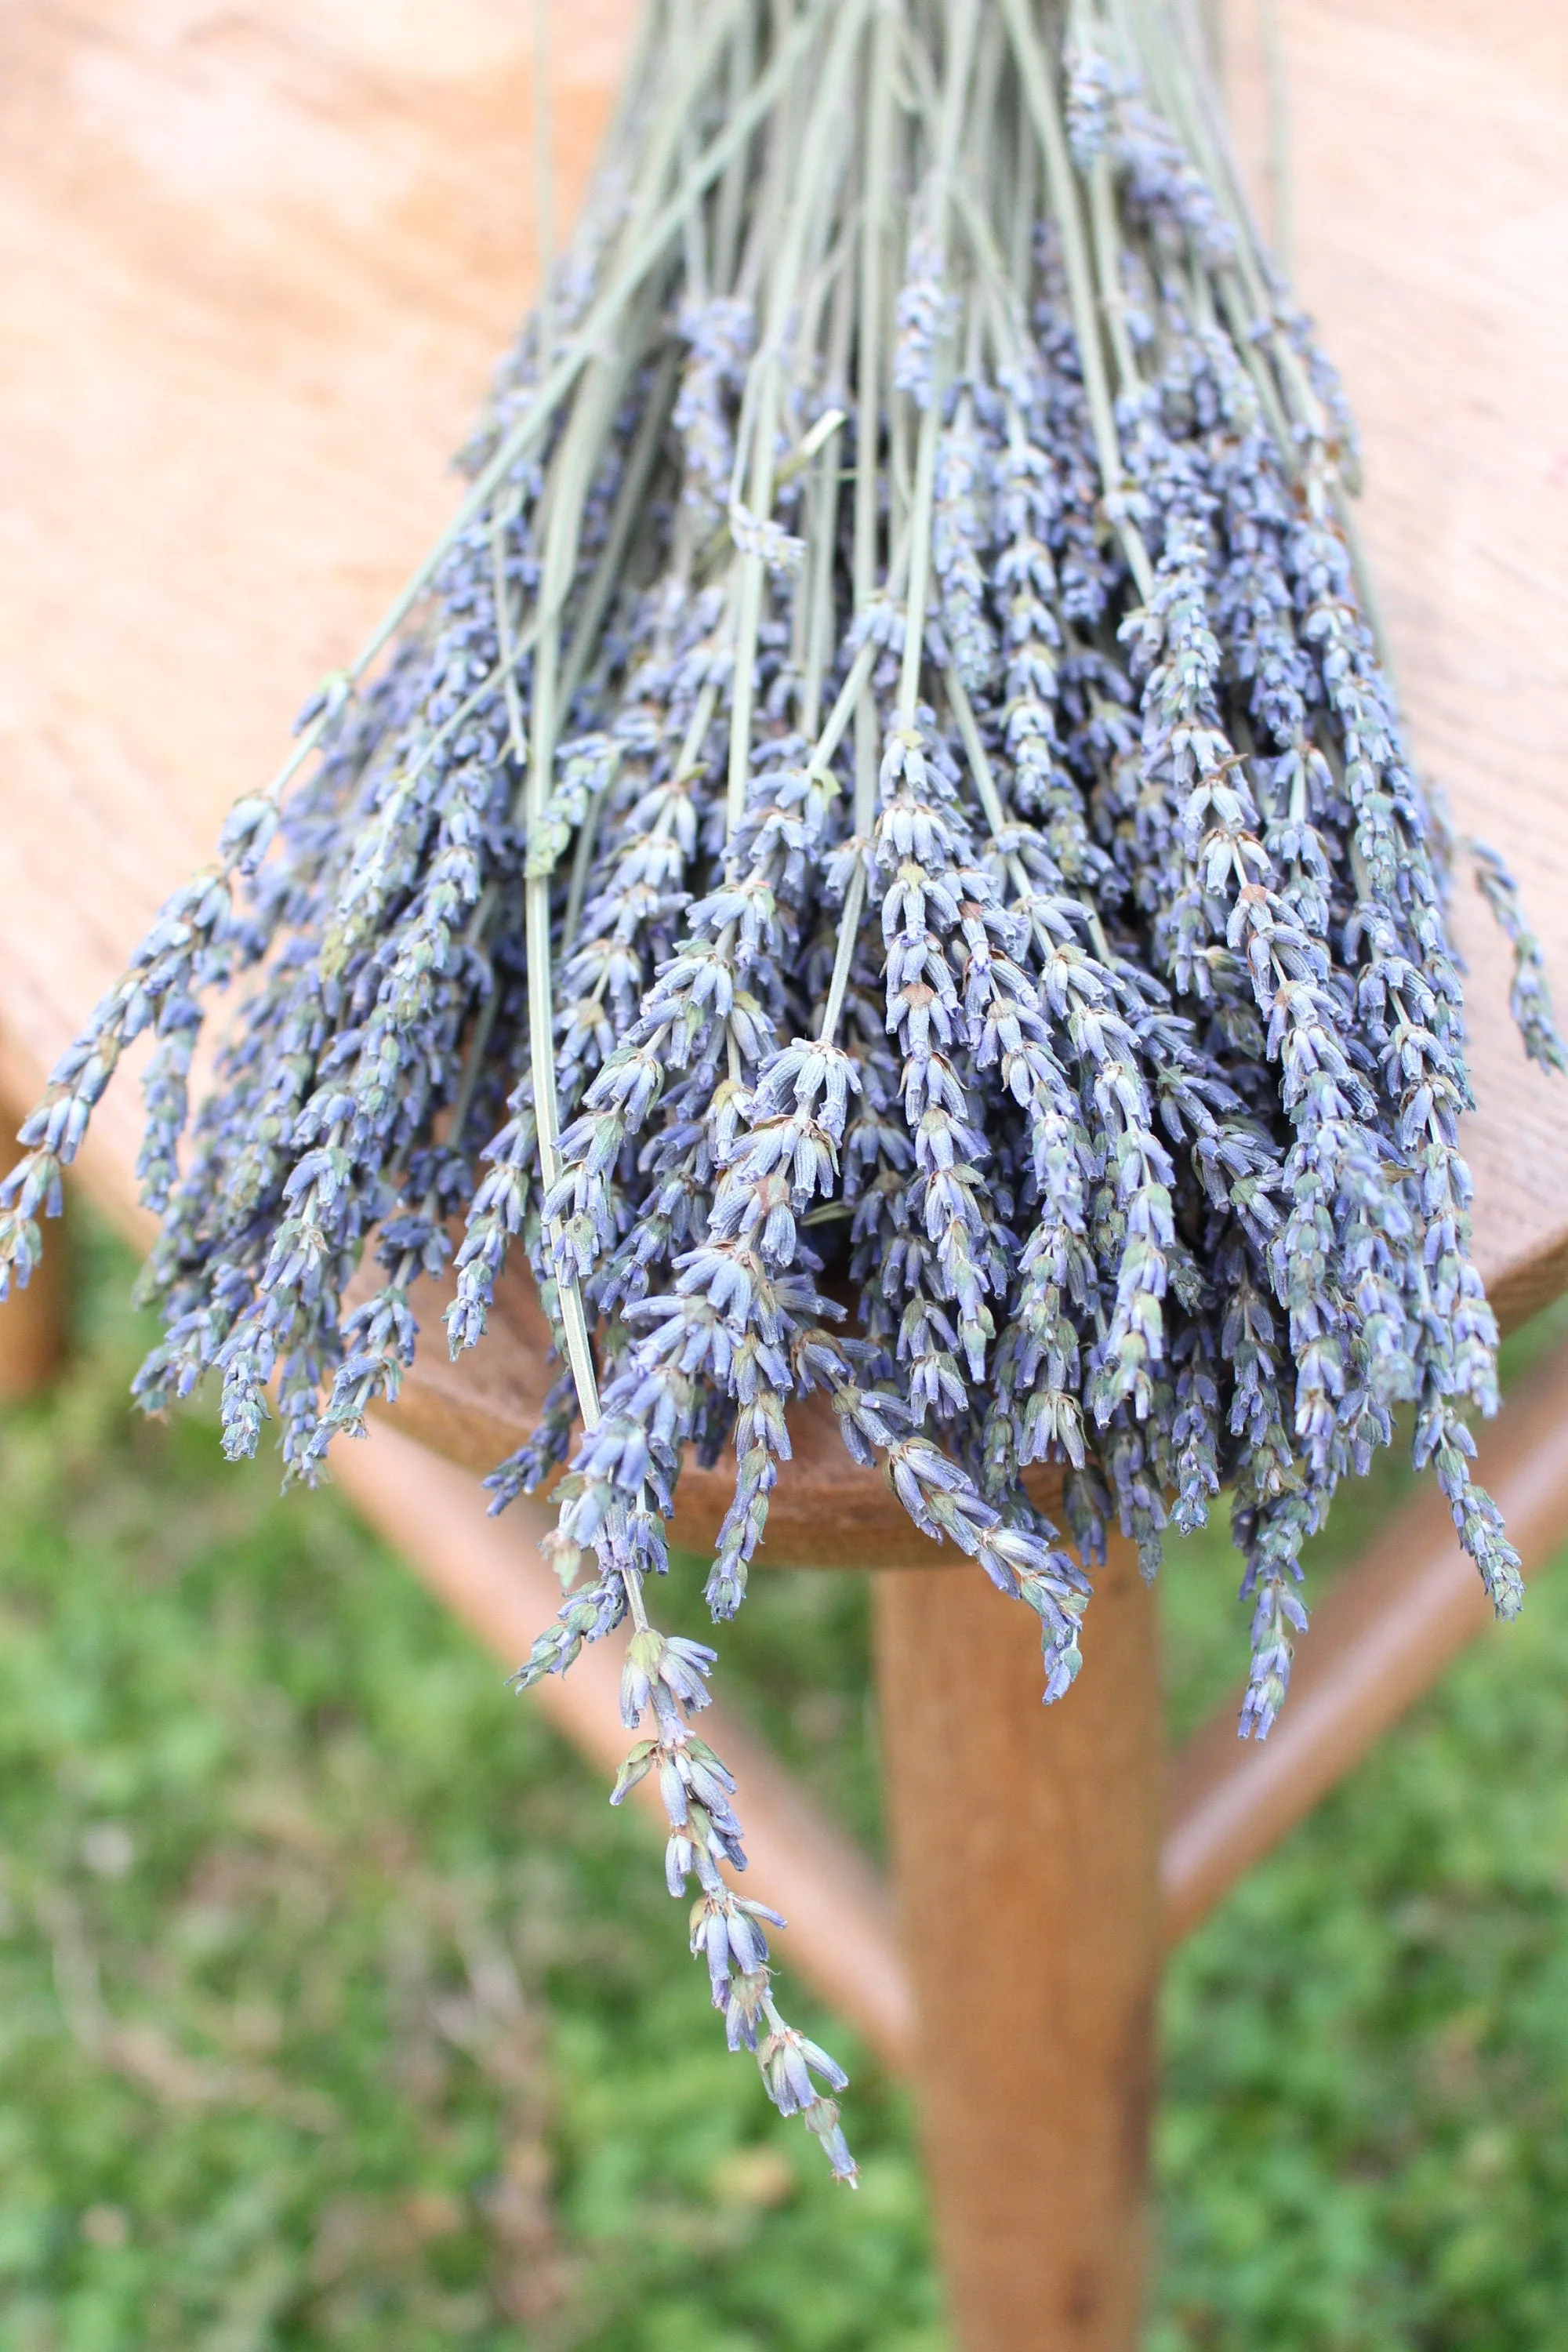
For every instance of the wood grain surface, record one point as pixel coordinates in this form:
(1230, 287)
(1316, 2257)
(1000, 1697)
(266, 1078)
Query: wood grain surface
(1026, 1844)
(255, 265)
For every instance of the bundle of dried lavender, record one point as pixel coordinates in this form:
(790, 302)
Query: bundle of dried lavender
(887, 778)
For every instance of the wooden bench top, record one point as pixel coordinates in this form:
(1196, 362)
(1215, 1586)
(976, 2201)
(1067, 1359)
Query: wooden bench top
(254, 269)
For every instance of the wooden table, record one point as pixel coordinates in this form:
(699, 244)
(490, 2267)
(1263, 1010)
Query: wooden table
(257, 263)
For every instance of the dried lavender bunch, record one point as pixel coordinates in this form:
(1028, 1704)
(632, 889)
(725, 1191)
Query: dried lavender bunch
(888, 793)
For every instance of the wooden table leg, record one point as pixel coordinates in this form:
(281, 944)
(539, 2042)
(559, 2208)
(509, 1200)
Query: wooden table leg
(31, 1321)
(1026, 1846)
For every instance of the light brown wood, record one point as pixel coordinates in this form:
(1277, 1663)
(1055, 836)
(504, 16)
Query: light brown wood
(1026, 1844)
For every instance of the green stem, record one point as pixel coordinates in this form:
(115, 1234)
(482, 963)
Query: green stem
(849, 932)
(581, 860)
(505, 516)
(630, 499)
(748, 621)
(1278, 166)
(631, 1581)
(851, 693)
(543, 176)
(957, 65)
(573, 473)
(547, 1121)
(1042, 99)
(726, 226)
(1112, 302)
(597, 330)
(920, 565)
(873, 233)
(819, 606)
(806, 170)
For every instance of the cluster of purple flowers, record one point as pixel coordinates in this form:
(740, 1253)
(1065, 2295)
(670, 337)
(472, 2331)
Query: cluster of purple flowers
(883, 858)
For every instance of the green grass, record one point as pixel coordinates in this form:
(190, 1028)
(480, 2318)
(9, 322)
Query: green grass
(337, 2008)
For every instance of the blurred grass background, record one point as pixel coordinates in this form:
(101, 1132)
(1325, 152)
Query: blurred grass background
(337, 2008)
